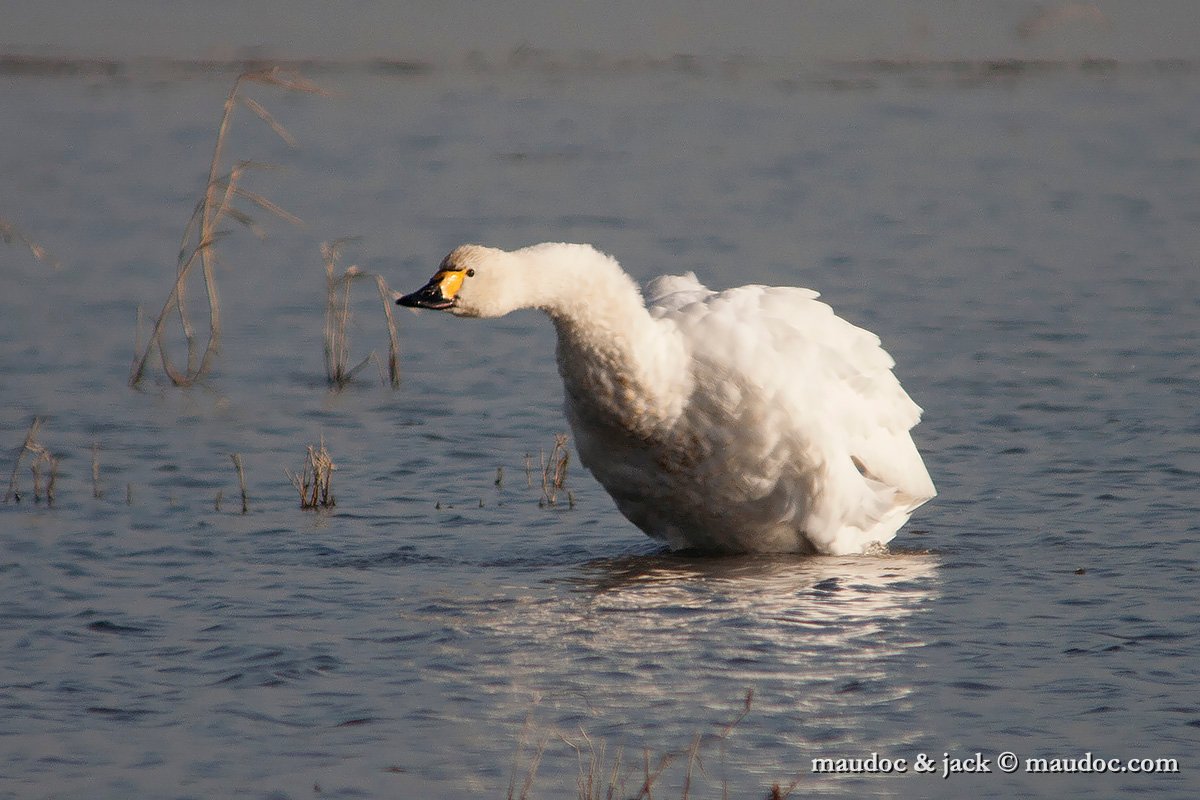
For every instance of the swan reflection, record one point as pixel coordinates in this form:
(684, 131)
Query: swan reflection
(661, 628)
(649, 651)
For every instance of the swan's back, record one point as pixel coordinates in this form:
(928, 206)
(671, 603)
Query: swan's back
(804, 405)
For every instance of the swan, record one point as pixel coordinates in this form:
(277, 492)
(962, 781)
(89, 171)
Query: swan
(751, 420)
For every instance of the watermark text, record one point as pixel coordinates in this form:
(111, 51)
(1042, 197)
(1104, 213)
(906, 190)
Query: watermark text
(947, 765)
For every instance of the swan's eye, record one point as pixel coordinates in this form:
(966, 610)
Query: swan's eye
(470, 273)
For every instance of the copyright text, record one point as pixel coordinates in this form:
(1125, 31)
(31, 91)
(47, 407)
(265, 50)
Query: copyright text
(947, 765)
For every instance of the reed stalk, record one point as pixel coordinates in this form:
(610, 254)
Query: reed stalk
(314, 482)
(535, 761)
(241, 473)
(338, 373)
(29, 446)
(600, 777)
(554, 471)
(393, 362)
(40, 459)
(96, 492)
(202, 232)
(337, 316)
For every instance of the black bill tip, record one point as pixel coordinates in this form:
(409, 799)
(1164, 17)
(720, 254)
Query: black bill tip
(428, 296)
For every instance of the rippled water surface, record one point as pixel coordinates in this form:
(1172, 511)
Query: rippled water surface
(1025, 241)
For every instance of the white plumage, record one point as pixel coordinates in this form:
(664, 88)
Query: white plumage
(749, 420)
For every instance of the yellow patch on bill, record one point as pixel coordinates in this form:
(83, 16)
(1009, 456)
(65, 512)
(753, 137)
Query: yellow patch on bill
(450, 281)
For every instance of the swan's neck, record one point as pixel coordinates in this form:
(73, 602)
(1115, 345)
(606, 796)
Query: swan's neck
(619, 366)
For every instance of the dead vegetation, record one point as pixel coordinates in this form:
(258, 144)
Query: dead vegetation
(314, 482)
(605, 776)
(217, 205)
(535, 760)
(553, 470)
(241, 473)
(43, 465)
(337, 319)
(224, 198)
(96, 490)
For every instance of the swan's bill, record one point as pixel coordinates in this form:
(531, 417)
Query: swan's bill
(439, 293)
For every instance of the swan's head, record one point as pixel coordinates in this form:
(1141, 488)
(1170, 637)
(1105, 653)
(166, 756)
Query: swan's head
(473, 281)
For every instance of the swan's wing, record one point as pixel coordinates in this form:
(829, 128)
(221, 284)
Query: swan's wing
(827, 381)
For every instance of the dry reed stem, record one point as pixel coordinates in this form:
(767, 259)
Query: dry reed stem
(201, 234)
(554, 471)
(50, 494)
(314, 482)
(723, 736)
(337, 319)
(614, 777)
(42, 457)
(96, 493)
(337, 315)
(534, 761)
(35, 468)
(693, 755)
(10, 233)
(386, 295)
(591, 781)
(241, 473)
(652, 777)
(778, 793)
(30, 445)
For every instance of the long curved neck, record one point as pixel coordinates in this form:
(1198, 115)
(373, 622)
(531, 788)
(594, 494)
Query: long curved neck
(618, 364)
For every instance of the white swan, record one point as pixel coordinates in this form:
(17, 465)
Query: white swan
(749, 420)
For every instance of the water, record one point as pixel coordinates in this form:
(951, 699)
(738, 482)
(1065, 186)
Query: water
(1024, 240)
